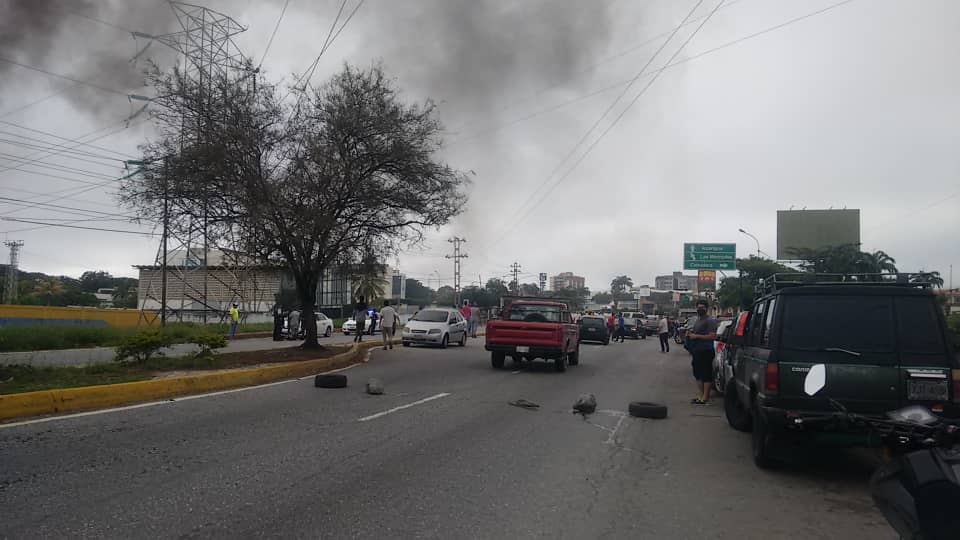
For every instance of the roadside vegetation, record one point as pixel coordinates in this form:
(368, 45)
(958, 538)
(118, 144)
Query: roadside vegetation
(49, 337)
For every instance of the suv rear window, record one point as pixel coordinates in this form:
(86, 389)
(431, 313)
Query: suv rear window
(919, 326)
(855, 323)
(590, 321)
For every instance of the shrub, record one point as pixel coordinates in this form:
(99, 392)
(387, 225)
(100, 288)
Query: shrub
(208, 342)
(953, 321)
(143, 345)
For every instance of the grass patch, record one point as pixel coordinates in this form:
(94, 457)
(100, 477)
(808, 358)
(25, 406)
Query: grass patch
(50, 337)
(16, 379)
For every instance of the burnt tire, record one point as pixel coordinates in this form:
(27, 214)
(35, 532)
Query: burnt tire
(497, 359)
(643, 409)
(737, 416)
(331, 380)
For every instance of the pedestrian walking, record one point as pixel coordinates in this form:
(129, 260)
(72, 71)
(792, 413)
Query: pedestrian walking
(234, 319)
(373, 322)
(612, 326)
(701, 338)
(277, 323)
(293, 324)
(474, 319)
(388, 324)
(360, 317)
(621, 331)
(663, 328)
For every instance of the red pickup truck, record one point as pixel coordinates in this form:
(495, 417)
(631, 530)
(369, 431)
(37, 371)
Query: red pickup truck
(530, 329)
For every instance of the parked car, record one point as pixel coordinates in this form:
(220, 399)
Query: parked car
(884, 342)
(324, 327)
(435, 326)
(350, 326)
(532, 329)
(724, 350)
(594, 329)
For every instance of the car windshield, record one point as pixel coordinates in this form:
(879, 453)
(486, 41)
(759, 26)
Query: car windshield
(431, 315)
(853, 323)
(535, 313)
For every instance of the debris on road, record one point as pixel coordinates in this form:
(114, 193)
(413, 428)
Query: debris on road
(585, 404)
(524, 404)
(644, 409)
(330, 380)
(374, 387)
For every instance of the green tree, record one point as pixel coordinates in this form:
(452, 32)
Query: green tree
(932, 278)
(529, 289)
(48, 288)
(367, 277)
(603, 298)
(446, 296)
(417, 293)
(844, 259)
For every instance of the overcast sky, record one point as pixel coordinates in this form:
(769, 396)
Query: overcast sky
(854, 107)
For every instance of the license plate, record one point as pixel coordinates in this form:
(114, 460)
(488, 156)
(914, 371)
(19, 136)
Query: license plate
(926, 390)
(591, 329)
(523, 348)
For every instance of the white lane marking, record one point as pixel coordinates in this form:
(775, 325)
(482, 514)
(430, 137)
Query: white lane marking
(162, 402)
(515, 372)
(401, 407)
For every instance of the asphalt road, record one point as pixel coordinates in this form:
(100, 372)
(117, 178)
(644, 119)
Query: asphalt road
(440, 455)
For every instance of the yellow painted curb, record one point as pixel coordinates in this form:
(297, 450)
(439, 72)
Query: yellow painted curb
(109, 395)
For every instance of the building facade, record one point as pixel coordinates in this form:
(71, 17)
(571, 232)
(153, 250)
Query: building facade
(676, 282)
(567, 280)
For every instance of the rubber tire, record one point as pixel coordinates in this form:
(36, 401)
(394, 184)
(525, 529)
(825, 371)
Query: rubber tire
(642, 409)
(560, 364)
(445, 341)
(329, 332)
(763, 442)
(738, 418)
(574, 358)
(406, 343)
(463, 340)
(718, 385)
(607, 342)
(330, 380)
(497, 359)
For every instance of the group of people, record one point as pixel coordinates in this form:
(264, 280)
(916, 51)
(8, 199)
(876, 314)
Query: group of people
(471, 314)
(388, 319)
(292, 320)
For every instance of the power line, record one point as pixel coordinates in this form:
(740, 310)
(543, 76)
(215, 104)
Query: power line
(308, 73)
(64, 77)
(274, 34)
(77, 226)
(606, 111)
(74, 140)
(53, 166)
(42, 144)
(64, 209)
(38, 101)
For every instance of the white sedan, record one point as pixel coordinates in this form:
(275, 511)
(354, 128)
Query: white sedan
(350, 326)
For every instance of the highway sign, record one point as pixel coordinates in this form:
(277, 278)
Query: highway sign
(710, 256)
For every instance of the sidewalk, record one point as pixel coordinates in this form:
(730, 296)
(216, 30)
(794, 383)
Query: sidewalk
(97, 355)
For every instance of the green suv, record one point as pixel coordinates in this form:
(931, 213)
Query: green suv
(883, 340)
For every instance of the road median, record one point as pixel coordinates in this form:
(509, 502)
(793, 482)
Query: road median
(84, 398)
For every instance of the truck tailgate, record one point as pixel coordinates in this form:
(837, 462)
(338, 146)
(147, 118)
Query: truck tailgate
(524, 333)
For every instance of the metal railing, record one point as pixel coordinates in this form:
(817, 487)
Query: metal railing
(778, 282)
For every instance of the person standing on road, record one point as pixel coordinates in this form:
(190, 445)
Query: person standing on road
(465, 310)
(663, 328)
(701, 338)
(373, 321)
(293, 323)
(277, 323)
(234, 319)
(612, 327)
(360, 317)
(621, 330)
(388, 324)
(474, 319)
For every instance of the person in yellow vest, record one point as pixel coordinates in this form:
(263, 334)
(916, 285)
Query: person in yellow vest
(234, 319)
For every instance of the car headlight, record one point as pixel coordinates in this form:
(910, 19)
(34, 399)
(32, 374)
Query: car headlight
(434, 331)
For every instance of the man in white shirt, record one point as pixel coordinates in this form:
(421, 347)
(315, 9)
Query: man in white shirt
(663, 328)
(388, 322)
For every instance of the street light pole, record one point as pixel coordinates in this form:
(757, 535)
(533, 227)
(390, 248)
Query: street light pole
(754, 239)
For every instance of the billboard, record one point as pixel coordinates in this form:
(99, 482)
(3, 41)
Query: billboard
(706, 280)
(815, 229)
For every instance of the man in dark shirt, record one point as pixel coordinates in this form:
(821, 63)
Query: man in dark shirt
(702, 336)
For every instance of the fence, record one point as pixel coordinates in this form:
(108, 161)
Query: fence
(65, 316)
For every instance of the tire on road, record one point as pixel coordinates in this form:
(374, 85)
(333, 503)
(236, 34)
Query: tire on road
(406, 343)
(737, 416)
(496, 359)
(643, 409)
(330, 380)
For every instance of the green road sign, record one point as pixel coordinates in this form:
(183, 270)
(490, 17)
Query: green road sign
(710, 256)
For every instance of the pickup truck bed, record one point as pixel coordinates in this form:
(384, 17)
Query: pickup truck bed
(530, 330)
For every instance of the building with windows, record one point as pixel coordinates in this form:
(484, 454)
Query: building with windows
(675, 282)
(567, 280)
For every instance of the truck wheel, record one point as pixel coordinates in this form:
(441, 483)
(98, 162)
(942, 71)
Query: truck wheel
(575, 356)
(764, 441)
(736, 415)
(496, 359)
(560, 363)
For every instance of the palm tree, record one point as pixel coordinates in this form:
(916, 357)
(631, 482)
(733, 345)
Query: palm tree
(932, 278)
(368, 279)
(48, 288)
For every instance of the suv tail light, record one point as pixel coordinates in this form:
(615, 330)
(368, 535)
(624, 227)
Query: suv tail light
(771, 377)
(955, 374)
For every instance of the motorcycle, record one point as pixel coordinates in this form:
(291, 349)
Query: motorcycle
(918, 491)
(679, 334)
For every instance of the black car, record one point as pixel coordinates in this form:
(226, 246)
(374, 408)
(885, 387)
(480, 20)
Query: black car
(882, 339)
(594, 329)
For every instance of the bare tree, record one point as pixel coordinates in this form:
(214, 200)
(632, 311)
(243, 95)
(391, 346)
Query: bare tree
(347, 169)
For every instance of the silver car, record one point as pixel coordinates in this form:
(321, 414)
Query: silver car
(435, 326)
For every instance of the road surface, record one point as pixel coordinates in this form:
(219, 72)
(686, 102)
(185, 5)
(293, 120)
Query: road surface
(440, 455)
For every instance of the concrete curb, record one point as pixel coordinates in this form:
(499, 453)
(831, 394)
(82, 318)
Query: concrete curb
(110, 395)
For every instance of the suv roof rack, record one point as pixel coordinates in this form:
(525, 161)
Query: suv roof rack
(778, 282)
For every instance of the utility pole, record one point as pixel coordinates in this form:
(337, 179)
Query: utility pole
(166, 232)
(515, 269)
(456, 241)
(10, 295)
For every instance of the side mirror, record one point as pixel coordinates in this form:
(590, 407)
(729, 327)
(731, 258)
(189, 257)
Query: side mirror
(815, 380)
